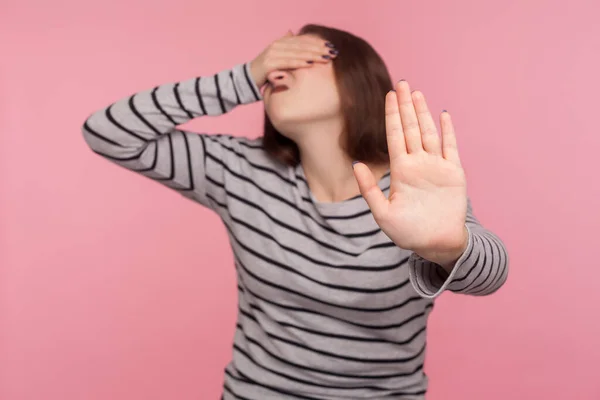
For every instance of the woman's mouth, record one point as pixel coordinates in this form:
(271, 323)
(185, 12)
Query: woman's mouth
(278, 89)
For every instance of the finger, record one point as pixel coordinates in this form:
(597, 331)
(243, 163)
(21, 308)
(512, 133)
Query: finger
(283, 64)
(429, 135)
(393, 127)
(449, 146)
(323, 51)
(372, 193)
(308, 56)
(408, 116)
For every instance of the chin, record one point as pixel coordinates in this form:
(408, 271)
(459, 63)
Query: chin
(284, 118)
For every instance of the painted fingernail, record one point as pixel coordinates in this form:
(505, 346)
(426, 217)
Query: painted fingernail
(334, 52)
(310, 61)
(327, 57)
(444, 111)
(354, 163)
(329, 44)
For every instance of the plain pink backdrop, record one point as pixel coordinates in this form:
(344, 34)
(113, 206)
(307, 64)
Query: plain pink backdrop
(112, 287)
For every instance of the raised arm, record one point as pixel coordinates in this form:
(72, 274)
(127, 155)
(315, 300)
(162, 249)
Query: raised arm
(428, 210)
(139, 132)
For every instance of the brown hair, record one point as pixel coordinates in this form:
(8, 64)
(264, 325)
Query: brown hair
(363, 81)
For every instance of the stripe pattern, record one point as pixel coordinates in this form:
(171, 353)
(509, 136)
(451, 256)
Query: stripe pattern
(329, 307)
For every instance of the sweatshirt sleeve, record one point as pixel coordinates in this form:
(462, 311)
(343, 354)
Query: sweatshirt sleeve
(481, 270)
(139, 132)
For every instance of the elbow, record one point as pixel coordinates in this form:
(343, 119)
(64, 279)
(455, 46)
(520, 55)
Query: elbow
(106, 139)
(100, 136)
(87, 136)
(90, 135)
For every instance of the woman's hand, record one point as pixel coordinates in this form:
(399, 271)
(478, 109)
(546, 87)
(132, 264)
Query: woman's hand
(427, 206)
(290, 52)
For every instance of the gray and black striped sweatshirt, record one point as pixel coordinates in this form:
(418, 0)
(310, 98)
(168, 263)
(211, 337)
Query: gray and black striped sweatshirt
(329, 307)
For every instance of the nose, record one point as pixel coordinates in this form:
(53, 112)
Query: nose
(277, 78)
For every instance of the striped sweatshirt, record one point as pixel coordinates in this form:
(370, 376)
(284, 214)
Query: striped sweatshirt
(329, 307)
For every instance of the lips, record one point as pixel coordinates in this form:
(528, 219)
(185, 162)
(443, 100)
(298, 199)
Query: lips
(278, 89)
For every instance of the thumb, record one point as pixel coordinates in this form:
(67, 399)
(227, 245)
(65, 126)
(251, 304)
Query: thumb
(372, 194)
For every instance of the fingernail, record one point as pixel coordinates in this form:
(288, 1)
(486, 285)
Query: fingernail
(327, 57)
(310, 61)
(402, 80)
(329, 44)
(354, 163)
(334, 52)
(444, 111)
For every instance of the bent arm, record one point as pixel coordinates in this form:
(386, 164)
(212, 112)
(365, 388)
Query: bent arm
(139, 132)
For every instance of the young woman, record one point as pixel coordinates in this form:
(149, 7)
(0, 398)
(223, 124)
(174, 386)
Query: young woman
(338, 262)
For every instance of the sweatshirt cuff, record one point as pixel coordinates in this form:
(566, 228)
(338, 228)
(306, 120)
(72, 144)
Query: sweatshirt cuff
(430, 279)
(245, 85)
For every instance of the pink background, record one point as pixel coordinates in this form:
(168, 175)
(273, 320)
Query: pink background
(112, 287)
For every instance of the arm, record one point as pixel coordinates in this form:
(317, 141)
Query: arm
(480, 270)
(428, 210)
(140, 132)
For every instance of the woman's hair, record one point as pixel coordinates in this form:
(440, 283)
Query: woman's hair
(363, 81)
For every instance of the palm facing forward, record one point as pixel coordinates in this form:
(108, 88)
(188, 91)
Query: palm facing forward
(427, 206)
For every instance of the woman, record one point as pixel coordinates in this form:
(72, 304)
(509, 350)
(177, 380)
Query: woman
(338, 262)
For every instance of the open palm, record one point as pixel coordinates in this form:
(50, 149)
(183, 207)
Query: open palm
(427, 205)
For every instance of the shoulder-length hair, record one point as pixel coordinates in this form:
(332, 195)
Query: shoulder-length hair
(363, 81)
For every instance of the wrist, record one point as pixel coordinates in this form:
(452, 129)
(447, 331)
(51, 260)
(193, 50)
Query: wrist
(256, 74)
(448, 256)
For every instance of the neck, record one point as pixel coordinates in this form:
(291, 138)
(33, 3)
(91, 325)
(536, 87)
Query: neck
(327, 167)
